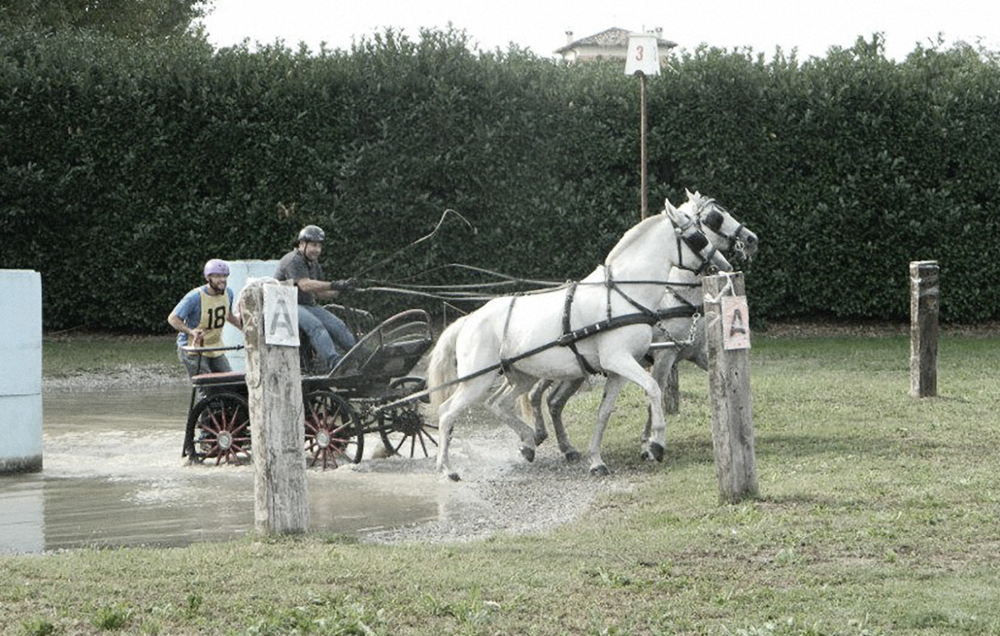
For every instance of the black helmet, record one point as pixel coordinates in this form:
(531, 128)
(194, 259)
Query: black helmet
(311, 233)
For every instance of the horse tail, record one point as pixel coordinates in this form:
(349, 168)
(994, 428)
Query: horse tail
(525, 406)
(442, 369)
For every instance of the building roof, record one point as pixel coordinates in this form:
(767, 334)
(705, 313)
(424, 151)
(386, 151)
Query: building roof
(610, 38)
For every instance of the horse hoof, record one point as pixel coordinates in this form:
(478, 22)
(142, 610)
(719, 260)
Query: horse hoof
(573, 456)
(600, 471)
(656, 451)
(646, 455)
(540, 437)
(529, 453)
(454, 477)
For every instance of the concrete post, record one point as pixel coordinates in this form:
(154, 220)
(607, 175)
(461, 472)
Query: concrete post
(21, 371)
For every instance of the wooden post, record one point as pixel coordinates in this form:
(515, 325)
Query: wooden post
(281, 503)
(924, 296)
(728, 333)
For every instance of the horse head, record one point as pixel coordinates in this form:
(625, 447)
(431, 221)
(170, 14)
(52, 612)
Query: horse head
(690, 238)
(721, 227)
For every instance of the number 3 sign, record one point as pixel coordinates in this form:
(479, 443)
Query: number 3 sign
(642, 55)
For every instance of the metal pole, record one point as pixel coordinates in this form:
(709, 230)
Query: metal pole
(642, 146)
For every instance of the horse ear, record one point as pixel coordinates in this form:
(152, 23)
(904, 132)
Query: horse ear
(676, 216)
(669, 210)
(688, 192)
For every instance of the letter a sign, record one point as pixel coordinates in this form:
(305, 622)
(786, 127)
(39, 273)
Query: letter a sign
(642, 55)
(281, 316)
(735, 323)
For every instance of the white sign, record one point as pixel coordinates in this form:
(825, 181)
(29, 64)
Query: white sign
(735, 323)
(281, 315)
(642, 55)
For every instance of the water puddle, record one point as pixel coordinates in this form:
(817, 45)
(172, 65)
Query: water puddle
(113, 476)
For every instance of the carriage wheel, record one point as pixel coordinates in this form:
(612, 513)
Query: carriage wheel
(333, 430)
(403, 429)
(219, 428)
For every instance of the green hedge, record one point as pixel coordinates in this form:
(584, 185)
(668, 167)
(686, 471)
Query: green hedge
(123, 167)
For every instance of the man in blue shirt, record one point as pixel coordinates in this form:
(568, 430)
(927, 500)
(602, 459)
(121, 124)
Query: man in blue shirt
(199, 318)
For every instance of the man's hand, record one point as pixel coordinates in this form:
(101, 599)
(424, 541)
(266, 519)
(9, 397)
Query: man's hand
(344, 285)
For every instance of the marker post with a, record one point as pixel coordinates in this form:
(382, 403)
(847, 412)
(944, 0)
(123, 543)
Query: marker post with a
(277, 429)
(727, 331)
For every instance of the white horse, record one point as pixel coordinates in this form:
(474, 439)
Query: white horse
(681, 330)
(680, 326)
(602, 324)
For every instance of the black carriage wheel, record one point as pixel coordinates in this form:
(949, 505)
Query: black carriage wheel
(219, 429)
(402, 428)
(333, 430)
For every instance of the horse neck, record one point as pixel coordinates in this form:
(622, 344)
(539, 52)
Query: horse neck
(646, 252)
(683, 292)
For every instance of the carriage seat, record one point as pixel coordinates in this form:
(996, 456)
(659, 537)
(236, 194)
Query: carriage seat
(219, 379)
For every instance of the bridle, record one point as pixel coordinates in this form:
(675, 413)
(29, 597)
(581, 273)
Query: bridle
(712, 215)
(689, 233)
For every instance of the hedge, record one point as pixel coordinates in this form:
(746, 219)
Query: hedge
(124, 166)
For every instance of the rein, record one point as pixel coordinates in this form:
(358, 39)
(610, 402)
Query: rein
(565, 340)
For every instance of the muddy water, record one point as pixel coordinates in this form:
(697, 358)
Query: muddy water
(113, 476)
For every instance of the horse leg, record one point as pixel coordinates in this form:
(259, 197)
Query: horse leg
(663, 363)
(631, 370)
(534, 397)
(502, 404)
(612, 388)
(465, 396)
(556, 402)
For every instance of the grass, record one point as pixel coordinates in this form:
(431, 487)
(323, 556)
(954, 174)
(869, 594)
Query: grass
(877, 516)
(67, 355)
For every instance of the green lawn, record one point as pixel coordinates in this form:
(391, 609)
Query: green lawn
(69, 355)
(878, 514)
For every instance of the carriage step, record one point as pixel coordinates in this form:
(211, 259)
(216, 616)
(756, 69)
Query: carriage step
(210, 379)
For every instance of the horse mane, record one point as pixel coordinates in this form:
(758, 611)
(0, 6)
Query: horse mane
(633, 235)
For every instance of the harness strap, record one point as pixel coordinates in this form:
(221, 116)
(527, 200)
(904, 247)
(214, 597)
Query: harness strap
(563, 341)
(585, 366)
(505, 363)
(678, 312)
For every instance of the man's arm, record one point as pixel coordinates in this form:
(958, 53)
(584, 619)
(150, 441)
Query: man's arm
(175, 321)
(320, 288)
(325, 289)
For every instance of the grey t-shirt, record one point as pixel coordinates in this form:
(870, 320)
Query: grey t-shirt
(294, 266)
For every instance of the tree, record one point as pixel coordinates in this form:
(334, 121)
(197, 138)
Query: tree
(133, 19)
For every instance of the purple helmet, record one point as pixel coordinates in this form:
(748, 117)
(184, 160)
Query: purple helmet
(216, 266)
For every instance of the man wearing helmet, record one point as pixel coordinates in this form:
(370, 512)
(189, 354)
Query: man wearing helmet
(199, 318)
(329, 336)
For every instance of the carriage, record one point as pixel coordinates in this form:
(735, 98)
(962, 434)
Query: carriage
(609, 314)
(340, 407)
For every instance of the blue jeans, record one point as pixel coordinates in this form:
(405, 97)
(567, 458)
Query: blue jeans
(329, 336)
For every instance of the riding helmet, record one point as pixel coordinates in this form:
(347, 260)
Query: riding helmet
(311, 233)
(216, 266)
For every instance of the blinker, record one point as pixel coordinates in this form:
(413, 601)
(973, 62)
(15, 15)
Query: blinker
(696, 241)
(713, 220)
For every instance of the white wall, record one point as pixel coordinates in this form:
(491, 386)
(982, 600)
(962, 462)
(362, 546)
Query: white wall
(20, 371)
(239, 273)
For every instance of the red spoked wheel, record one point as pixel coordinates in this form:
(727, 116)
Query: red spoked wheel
(220, 429)
(333, 430)
(403, 428)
